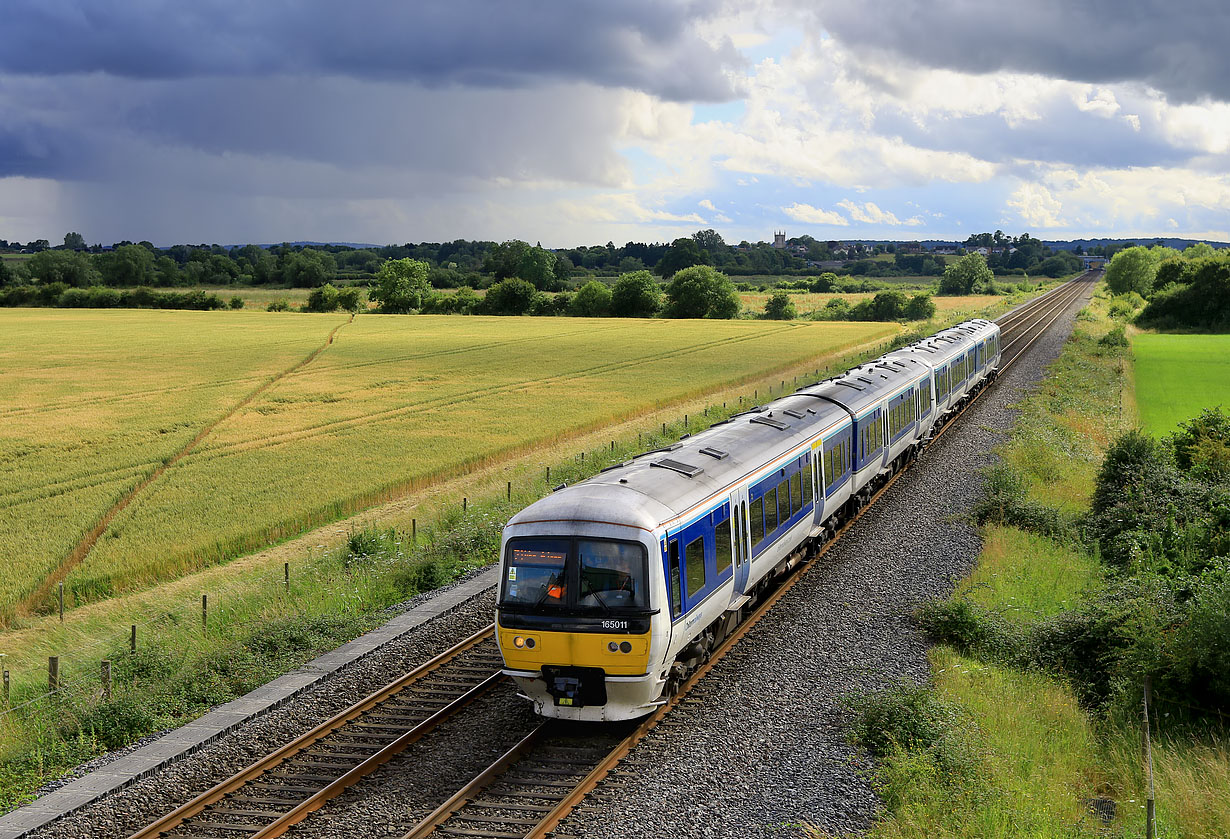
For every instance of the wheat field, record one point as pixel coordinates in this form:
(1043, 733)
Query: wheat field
(254, 430)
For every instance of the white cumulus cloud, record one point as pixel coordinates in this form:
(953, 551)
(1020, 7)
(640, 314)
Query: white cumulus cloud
(815, 215)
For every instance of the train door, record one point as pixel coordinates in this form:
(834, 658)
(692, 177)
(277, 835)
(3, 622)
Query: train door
(741, 540)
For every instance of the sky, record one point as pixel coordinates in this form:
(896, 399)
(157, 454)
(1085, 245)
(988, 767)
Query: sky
(571, 122)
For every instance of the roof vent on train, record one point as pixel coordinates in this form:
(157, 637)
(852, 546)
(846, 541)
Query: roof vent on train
(716, 454)
(685, 469)
(769, 421)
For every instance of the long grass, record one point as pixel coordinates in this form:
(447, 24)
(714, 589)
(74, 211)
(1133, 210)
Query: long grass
(1040, 757)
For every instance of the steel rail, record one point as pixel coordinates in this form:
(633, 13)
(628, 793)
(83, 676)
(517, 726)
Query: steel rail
(337, 723)
(1045, 314)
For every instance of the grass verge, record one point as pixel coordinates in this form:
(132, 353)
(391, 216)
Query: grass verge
(1012, 752)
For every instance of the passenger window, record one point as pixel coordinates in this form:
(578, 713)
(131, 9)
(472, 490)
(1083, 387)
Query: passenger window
(807, 488)
(784, 510)
(796, 492)
(756, 520)
(770, 510)
(722, 543)
(695, 558)
(676, 588)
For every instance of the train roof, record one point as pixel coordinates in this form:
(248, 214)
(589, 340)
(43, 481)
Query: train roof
(943, 345)
(657, 487)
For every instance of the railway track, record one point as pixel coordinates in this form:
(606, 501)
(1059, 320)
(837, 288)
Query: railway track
(532, 787)
(285, 786)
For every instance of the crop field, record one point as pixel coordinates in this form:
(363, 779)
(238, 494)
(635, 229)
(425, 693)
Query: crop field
(1177, 376)
(808, 301)
(138, 446)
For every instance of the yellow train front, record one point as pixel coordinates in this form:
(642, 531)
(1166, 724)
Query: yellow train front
(578, 617)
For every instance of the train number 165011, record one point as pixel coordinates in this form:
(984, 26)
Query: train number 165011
(614, 624)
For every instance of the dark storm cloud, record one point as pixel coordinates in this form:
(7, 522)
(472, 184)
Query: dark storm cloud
(1175, 46)
(649, 45)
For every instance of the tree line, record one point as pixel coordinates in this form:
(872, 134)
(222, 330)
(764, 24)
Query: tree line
(1188, 289)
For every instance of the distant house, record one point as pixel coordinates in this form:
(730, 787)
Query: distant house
(910, 247)
(983, 251)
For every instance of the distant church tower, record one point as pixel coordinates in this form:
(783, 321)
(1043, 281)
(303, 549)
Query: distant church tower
(779, 240)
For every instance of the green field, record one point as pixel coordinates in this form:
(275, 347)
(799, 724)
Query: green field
(1179, 375)
(227, 431)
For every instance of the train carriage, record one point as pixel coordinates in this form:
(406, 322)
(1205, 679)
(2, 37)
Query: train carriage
(614, 590)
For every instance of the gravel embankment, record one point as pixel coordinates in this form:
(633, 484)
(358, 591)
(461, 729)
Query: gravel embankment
(766, 751)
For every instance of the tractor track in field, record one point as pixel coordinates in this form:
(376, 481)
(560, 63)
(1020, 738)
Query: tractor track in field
(83, 547)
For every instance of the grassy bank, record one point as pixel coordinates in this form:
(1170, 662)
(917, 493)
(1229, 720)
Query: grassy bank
(999, 743)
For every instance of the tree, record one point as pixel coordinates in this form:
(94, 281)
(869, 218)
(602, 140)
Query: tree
(128, 265)
(516, 258)
(6, 276)
(920, 307)
(683, 253)
(965, 274)
(511, 297)
(74, 242)
(593, 300)
(1133, 269)
(401, 286)
(888, 305)
(308, 268)
(780, 307)
(824, 283)
(68, 267)
(636, 295)
(701, 292)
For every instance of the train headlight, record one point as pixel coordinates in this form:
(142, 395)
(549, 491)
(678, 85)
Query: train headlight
(518, 641)
(529, 642)
(613, 647)
(625, 647)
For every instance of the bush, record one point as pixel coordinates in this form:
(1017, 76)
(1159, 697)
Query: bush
(278, 306)
(1115, 338)
(970, 629)
(510, 297)
(636, 295)
(920, 307)
(322, 299)
(780, 307)
(236, 302)
(593, 300)
(350, 298)
(701, 292)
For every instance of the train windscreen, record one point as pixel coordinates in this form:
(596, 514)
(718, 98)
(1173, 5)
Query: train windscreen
(576, 575)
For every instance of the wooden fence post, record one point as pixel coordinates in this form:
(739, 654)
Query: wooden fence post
(465, 503)
(510, 490)
(53, 673)
(286, 576)
(204, 611)
(132, 641)
(61, 602)
(6, 688)
(414, 530)
(106, 680)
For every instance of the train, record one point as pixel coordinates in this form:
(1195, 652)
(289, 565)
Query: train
(614, 590)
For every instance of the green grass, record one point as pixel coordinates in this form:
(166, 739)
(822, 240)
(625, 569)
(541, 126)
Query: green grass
(1026, 578)
(1177, 376)
(1039, 756)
